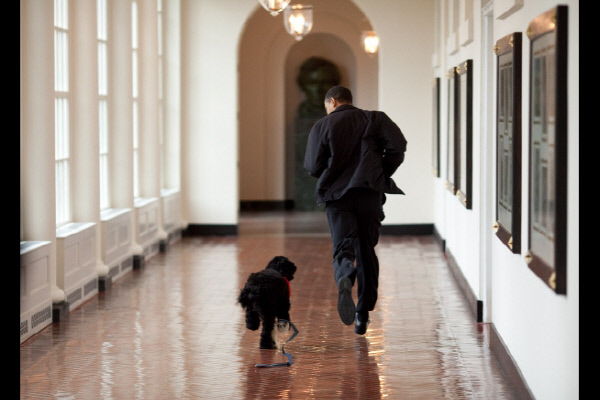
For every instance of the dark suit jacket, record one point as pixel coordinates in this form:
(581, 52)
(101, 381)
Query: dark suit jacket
(350, 148)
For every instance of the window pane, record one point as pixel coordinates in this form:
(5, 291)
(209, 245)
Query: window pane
(104, 188)
(61, 19)
(102, 24)
(62, 192)
(61, 111)
(134, 27)
(102, 69)
(61, 64)
(135, 74)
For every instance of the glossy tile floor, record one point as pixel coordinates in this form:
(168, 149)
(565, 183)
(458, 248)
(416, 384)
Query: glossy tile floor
(173, 330)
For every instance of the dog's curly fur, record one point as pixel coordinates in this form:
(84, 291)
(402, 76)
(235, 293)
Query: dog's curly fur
(266, 297)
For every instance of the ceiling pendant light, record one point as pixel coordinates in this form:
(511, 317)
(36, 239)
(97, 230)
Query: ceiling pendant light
(298, 20)
(274, 6)
(370, 42)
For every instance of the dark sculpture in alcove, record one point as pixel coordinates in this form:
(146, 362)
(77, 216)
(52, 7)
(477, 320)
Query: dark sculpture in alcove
(316, 76)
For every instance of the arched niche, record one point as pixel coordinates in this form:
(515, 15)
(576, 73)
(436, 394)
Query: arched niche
(268, 59)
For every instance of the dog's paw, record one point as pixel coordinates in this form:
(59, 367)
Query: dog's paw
(283, 327)
(252, 326)
(267, 345)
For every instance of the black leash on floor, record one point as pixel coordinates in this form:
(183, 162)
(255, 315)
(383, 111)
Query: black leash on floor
(288, 355)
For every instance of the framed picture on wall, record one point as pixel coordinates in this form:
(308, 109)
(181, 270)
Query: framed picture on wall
(508, 140)
(435, 128)
(451, 159)
(547, 225)
(464, 181)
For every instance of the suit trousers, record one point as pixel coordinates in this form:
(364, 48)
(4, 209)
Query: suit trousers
(354, 223)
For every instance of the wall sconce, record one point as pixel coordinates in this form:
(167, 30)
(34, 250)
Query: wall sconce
(274, 6)
(370, 42)
(298, 20)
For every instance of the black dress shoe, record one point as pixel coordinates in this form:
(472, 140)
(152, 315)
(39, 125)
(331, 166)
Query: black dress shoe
(346, 307)
(362, 321)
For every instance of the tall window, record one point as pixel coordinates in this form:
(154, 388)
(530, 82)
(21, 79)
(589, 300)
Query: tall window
(134, 52)
(61, 111)
(102, 28)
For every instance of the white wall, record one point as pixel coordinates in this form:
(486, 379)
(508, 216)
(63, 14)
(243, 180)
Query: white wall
(539, 327)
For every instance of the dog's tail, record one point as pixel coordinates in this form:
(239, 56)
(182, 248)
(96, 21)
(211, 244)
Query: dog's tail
(249, 293)
(246, 300)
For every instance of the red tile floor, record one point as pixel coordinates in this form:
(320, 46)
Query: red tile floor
(173, 330)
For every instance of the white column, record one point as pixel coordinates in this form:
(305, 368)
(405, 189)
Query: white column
(148, 99)
(84, 119)
(172, 92)
(38, 204)
(149, 148)
(209, 112)
(172, 98)
(120, 110)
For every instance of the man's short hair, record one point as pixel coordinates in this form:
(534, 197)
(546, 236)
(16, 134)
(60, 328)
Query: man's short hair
(340, 93)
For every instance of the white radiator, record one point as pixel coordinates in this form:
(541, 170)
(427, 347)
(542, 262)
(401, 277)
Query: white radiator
(147, 209)
(116, 241)
(76, 262)
(36, 298)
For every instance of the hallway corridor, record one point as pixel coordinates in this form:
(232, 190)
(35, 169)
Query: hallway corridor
(173, 330)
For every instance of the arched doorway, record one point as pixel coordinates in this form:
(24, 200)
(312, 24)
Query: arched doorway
(268, 95)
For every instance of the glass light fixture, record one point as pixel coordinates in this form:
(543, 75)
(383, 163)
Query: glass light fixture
(370, 42)
(298, 20)
(274, 6)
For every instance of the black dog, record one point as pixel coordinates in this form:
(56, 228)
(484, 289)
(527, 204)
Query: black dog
(266, 296)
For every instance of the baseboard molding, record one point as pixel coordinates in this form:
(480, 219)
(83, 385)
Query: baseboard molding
(266, 205)
(439, 239)
(475, 304)
(210, 230)
(407, 229)
(232, 230)
(509, 367)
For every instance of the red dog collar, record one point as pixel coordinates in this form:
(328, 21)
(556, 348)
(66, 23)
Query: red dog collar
(289, 287)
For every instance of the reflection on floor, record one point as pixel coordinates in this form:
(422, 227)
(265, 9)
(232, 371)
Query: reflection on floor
(172, 330)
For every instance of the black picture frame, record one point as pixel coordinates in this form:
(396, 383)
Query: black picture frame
(435, 128)
(509, 63)
(464, 146)
(547, 223)
(451, 132)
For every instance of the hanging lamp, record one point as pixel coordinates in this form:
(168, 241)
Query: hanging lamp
(274, 6)
(298, 20)
(370, 42)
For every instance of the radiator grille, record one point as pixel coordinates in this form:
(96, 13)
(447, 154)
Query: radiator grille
(90, 286)
(74, 296)
(41, 316)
